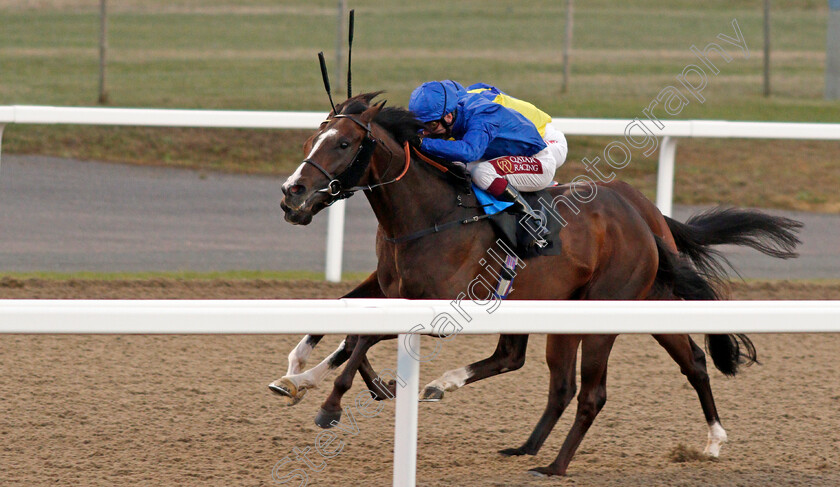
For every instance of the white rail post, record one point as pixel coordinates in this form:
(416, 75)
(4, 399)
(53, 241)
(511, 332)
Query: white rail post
(335, 240)
(405, 427)
(665, 175)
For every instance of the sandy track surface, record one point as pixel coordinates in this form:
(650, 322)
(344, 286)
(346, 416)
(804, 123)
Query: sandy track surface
(191, 410)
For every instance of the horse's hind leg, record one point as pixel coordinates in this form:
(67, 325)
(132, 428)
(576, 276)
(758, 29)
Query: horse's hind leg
(595, 352)
(692, 362)
(508, 356)
(560, 355)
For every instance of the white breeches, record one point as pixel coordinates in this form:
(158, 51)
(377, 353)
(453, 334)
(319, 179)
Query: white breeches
(522, 172)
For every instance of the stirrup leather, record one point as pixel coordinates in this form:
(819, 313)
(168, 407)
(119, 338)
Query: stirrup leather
(520, 205)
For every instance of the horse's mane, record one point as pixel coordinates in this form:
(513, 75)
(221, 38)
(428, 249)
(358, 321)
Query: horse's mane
(401, 123)
(403, 126)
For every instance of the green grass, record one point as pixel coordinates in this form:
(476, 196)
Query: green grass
(232, 57)
(181, 275)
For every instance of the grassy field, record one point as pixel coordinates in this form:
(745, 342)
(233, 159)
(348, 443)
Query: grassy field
(261, 55)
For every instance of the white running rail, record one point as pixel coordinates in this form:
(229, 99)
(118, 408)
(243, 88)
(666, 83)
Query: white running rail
(672, 130)
(397, 316)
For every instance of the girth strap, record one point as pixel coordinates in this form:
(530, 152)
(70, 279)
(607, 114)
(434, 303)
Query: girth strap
(437, 228)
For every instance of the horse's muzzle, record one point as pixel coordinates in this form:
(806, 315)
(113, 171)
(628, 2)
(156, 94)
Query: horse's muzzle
(302, 201)
(296, 216)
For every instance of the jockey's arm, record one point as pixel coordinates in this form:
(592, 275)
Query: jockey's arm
(481, 130)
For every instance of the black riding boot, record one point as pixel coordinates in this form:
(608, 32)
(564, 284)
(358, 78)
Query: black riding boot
(536, 226)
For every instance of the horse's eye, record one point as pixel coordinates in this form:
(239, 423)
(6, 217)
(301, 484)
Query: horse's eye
(344, 145)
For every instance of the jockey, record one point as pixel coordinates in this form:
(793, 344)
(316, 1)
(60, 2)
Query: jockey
(505, 152)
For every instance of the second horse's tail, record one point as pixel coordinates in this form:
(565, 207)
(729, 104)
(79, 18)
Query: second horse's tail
(771, 235)
(729, 351)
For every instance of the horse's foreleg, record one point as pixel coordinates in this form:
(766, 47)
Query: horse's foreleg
(294, 384)
(300, 354)
(692, 362)
(293, 387)
(560, 355)
(380, 390)
(509, 355)
(297, 361)
(595, 353)
(369, 288)
(330, 412)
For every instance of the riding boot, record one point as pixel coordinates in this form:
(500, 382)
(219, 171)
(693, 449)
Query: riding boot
(536, 226)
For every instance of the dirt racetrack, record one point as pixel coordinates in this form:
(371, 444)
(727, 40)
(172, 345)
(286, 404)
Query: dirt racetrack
(194, 410)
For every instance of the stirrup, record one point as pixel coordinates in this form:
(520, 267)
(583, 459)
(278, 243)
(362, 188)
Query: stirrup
(521, 205)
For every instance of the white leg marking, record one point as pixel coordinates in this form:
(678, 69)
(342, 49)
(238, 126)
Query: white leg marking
(451, 380)
(717, 437)
(312, 377)
(298, 356)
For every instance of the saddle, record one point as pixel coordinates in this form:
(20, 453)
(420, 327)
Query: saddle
(515, 235)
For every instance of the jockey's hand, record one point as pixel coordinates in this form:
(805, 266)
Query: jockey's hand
(416, 140)
(460, 165)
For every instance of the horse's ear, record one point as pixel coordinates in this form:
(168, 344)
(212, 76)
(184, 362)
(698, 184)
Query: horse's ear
(368, 115)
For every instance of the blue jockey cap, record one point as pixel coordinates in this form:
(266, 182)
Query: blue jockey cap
(434, 99)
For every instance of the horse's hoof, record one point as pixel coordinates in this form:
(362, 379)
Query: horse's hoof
(325, 419)
(384, 392)
(544, 472)
(286, 388)
(431, 394)
(514, 452)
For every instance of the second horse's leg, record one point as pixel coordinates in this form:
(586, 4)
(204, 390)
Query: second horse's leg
(595, 352)
(560, 354)
(509, 355)
(692, 362)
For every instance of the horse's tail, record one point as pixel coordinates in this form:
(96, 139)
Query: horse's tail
(728, 352)
(771, 235)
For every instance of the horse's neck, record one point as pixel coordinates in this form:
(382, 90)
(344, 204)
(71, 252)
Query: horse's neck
(419, 200)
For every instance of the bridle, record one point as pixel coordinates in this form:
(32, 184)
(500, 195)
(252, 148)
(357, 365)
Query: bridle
(345, 184)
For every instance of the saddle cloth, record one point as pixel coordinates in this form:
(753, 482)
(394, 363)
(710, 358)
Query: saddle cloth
(515, 235)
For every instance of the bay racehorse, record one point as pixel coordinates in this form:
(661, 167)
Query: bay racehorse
(616, 246)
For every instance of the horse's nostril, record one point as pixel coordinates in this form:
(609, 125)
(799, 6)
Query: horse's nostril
(297, 189)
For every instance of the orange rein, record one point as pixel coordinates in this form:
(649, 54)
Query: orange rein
(407, 148)
(440, 167)
(407, 161)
